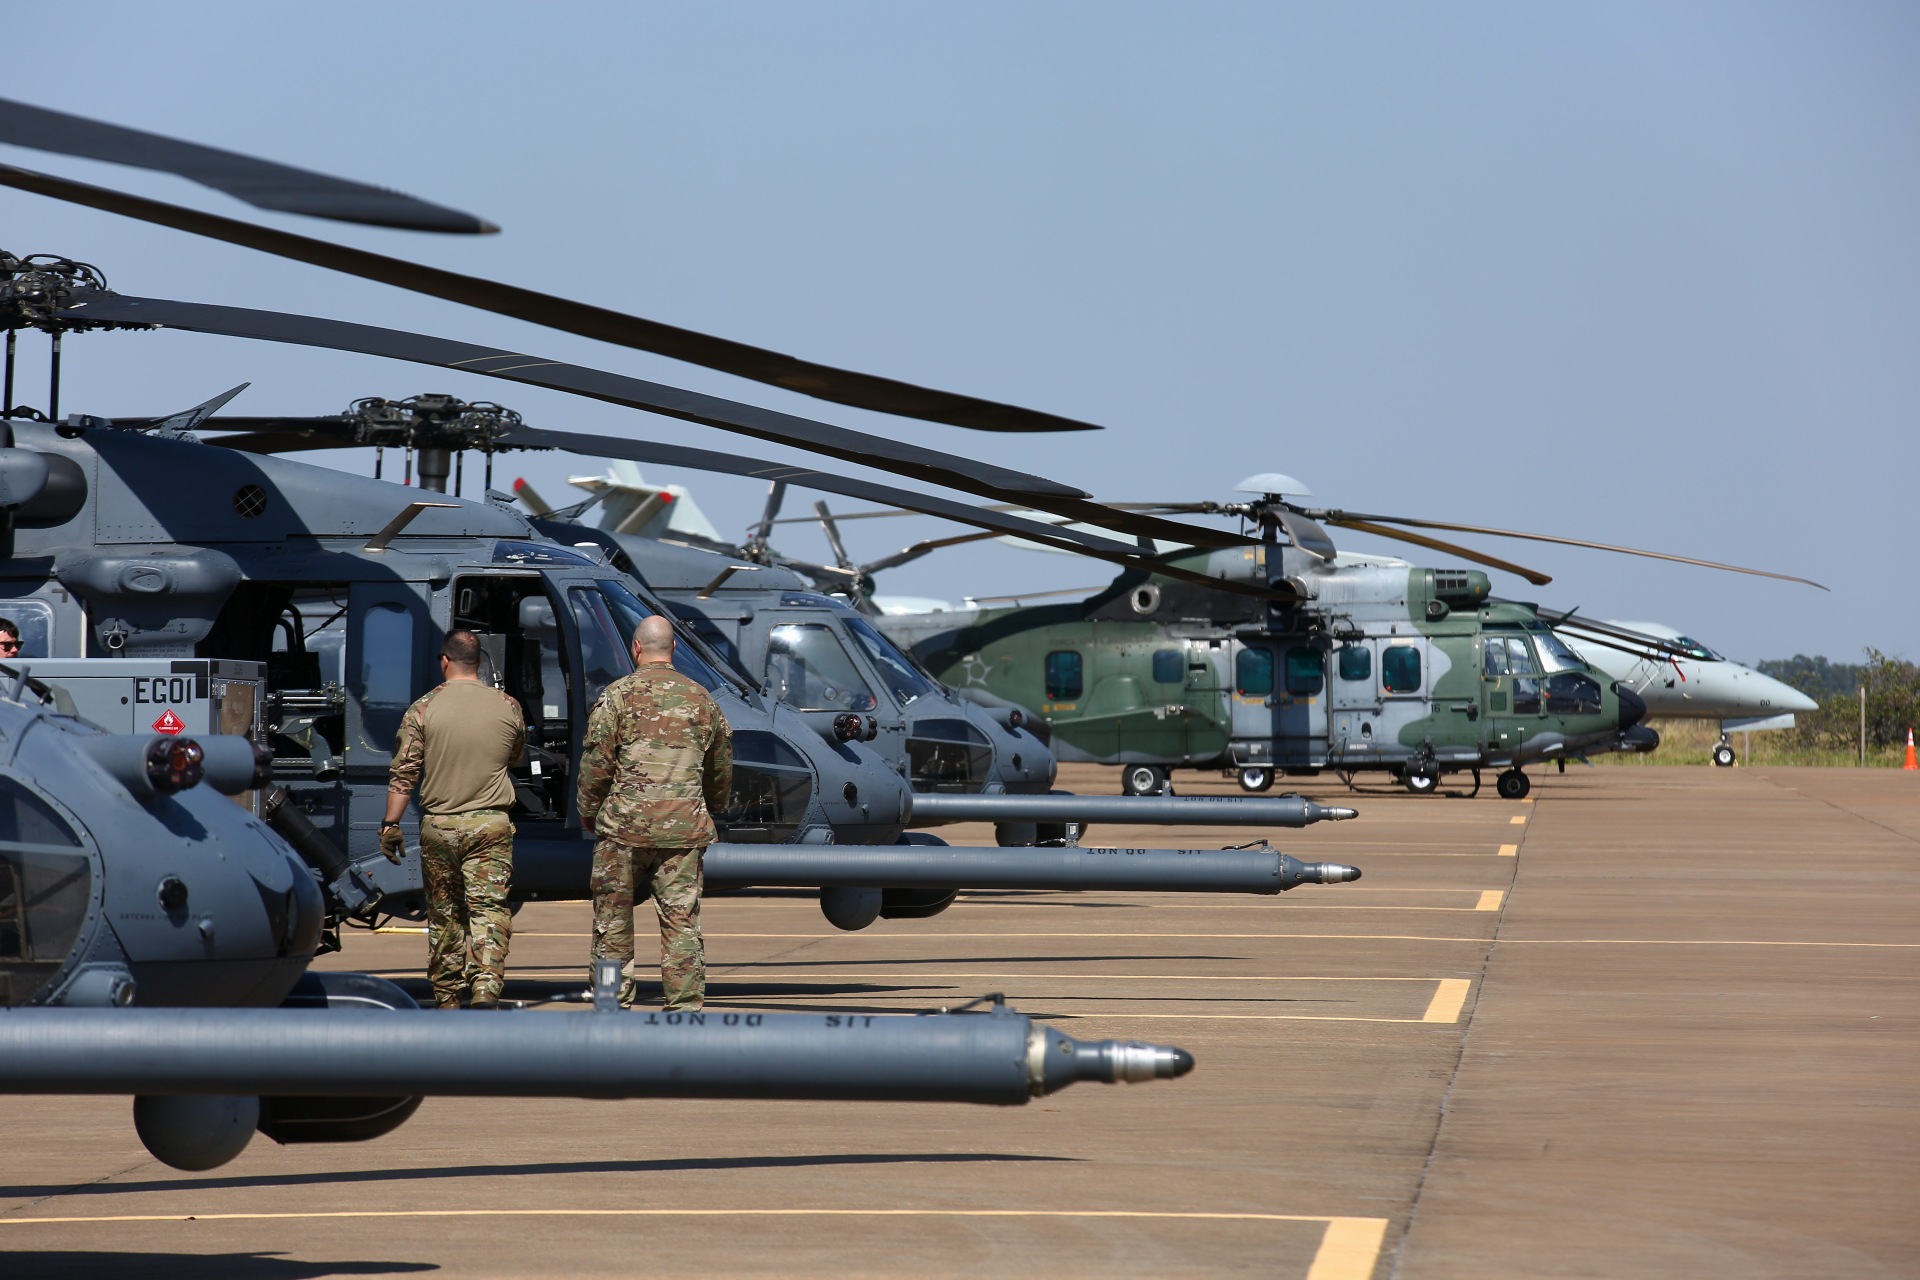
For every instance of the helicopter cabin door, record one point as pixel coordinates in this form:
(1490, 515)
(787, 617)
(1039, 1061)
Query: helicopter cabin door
(1510, 682)
(1280, 702)
(1355, 701)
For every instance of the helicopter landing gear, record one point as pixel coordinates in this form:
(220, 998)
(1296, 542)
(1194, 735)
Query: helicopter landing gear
(1143, 780)
(1256, 778)
(1421, 782)
(1723, 756)
(1513, 785)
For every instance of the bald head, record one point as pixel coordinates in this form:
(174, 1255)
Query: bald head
(653, 640)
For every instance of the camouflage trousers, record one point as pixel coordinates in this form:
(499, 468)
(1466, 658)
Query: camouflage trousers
(671, 877)
(466, 860)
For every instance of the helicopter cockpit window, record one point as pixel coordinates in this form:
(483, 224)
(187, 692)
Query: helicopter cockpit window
(539, 555)
(810, 670)
(1400, 669)
(1253, 673)
(1356, 663)
(1306, 671)
(603, 658)
(35, 620)
(1168, 667)
(1555, 653)
(45, 885)
(1509, 656)
(897, 672)
(628, 609)
(1572, 694)
(1064, 679)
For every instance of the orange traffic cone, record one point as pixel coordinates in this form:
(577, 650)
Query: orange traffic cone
(1912, 761)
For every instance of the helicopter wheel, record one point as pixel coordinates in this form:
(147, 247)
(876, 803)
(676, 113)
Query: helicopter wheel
(1723, 755)
(1513, 785)
(1143, 780)
(1420, 782)
(1256, 779)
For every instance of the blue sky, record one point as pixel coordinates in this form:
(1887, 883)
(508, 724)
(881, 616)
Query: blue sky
(1640, 273)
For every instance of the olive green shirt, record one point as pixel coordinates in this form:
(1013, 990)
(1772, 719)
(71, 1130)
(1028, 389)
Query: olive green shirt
(454, 748)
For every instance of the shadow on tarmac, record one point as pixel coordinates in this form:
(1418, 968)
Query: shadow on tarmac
(51, 1265)
(704, 1163)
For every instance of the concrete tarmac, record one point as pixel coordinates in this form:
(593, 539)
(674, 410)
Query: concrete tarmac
(1651, 1022)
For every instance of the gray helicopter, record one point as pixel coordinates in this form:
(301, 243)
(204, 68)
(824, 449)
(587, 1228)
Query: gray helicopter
(123, 884)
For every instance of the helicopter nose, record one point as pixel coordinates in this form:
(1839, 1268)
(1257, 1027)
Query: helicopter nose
(1633, 707)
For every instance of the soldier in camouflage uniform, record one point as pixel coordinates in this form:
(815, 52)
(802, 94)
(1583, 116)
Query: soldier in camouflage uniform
(454, 747)
(657, 764)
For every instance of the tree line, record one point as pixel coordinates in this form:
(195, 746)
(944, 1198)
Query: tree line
(1893, 699)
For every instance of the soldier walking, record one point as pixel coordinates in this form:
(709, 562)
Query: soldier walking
(453, 751)
(658, 764)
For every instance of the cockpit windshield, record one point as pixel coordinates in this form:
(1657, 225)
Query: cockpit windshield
(1696, 650)
(628, 609)
(1556, 654)
(896, 669)
(810, 670)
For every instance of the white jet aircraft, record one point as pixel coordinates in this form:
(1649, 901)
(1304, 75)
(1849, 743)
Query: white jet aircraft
(1685, 679)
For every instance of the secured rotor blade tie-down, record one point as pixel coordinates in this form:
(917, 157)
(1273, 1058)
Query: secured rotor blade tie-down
(1068, 867)
(1226, 811)
(998, 1058)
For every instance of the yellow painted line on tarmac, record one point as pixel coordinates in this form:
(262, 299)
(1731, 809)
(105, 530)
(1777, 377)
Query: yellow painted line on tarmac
(1349, 1248)
(401, 928)
(1447, 1001)
(723, 935)
(1517, 820)
(1509, 850)
(946, 976)
(1490, 900)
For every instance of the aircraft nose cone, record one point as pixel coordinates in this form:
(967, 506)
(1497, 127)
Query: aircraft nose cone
(1633, 708)
(1788, 698)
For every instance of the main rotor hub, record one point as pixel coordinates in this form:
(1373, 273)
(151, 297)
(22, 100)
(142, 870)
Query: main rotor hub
(430, 422)
(34, 291)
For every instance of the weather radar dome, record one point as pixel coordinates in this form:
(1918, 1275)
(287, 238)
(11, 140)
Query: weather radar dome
(1274, 483)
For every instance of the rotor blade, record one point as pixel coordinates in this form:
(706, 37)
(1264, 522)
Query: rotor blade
(530, 498)
(1345, 517)
(823, 382)
(776, 494)
(839, 548)
(856, 447)
(261, 183)
(1534, 576)
(922, 548)
(1600, 632)
(673, 455)
(1307, 535)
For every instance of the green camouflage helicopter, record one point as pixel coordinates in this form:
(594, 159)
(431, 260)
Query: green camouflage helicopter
(1365, 663)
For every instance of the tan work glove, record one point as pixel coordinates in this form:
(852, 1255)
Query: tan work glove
(392, 844)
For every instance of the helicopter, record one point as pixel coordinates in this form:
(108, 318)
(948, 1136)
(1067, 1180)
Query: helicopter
(1373, 664)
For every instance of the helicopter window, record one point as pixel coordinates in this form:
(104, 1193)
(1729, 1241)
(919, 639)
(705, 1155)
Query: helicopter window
(602, 657)
(1306, 671)
(386, 668)
(1400, 668)
(810, 669)
(897, 672)
(772, 787)
(628, 609)
(43, 893)
(1253, 673)
(1519, 659)
(1167, 666)
(1064, 681)
(1356, 662)
(35, 621)
(1570, 694)
(1555, 654)
(1526, 696)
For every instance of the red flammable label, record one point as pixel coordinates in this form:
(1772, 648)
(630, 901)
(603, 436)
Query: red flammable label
(169, 722)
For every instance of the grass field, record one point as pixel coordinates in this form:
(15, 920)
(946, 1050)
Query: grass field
(1691, 742)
